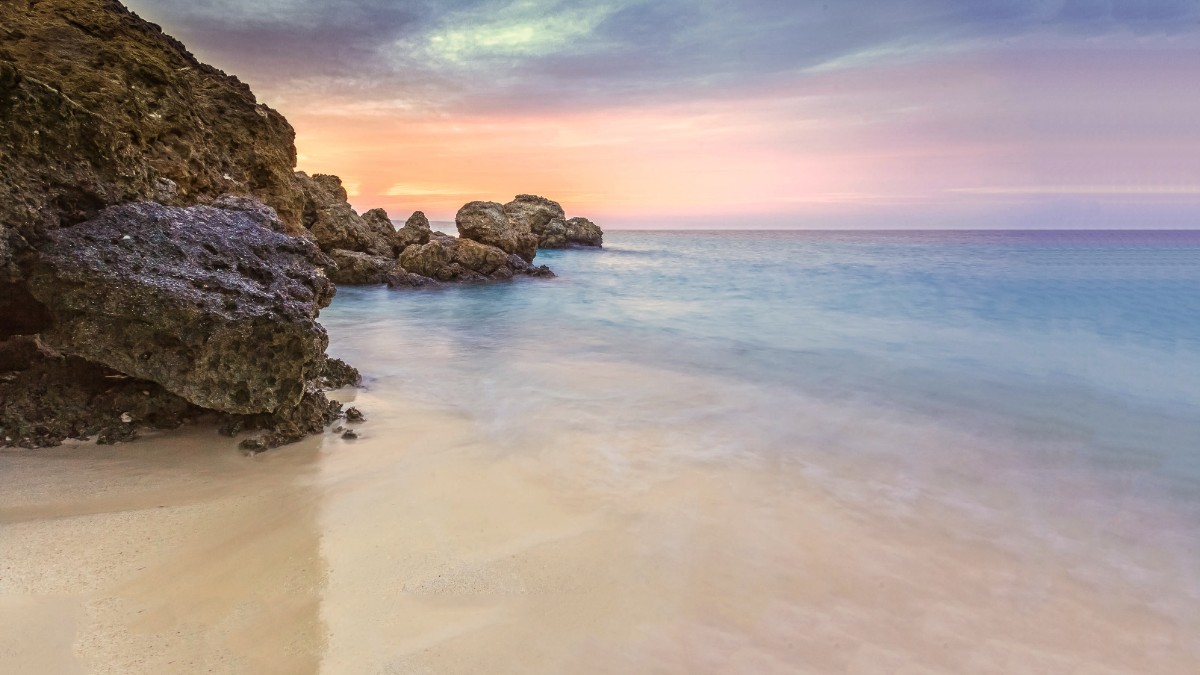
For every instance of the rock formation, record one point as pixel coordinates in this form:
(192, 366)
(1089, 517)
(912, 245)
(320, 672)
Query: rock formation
(333, 222)
(546, 219)
(160, 257)
(488, 223)
(176, 295)
(583, 232)
(156, 310)
(99, 107)
(455, 259)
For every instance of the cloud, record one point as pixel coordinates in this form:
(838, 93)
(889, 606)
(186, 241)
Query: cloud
(520, 54)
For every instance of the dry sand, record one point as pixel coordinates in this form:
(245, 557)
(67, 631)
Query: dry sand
(420, 548)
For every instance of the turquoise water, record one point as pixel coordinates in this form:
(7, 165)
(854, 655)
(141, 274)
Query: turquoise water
(1046, 385)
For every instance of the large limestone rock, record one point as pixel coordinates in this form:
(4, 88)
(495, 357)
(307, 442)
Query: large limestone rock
(488, 223)
(333, 222)
(99, 107)
(209, 303)
(547, 220)
(536, 213)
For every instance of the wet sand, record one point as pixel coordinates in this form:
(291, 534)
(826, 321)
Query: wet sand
(424, 548)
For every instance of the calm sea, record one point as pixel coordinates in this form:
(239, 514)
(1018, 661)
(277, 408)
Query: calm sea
(1044, 386)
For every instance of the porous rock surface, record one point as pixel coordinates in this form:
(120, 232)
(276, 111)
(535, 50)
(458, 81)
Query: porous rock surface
(99, 107)
(206, 302)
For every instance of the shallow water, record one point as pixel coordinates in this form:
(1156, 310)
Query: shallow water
(690, 452)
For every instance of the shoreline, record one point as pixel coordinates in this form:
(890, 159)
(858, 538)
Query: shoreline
(450, 554)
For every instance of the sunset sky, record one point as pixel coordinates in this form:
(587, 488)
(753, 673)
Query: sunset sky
(756, 113)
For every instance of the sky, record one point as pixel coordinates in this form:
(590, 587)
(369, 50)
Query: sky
(734, 114)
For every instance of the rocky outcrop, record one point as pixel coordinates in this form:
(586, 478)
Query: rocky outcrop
(537, 214)
(488, 223)
(99, 107)
(203, 301)
(157, 310)
(334, 224)
(546, 219)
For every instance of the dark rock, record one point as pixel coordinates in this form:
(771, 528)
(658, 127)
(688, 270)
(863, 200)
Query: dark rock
(350, 435)
(540, 271)
(232, 425)
(21, 352)
(314, 412)
(337, 374)
(119, 433)
(253, 446)
(487, 223)
(256, 210)
(201, 300)
(354, 268)
(399, 278)
(354, 415)
(98, 107)
(56, 398)
(333, 222)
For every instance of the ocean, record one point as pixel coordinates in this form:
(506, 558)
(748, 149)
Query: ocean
(1035, 390)
(691, 452)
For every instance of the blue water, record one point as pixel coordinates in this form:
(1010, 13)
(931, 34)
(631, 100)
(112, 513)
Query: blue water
(1077, 351)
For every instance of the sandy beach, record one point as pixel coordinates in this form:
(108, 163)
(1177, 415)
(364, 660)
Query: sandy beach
(420, 548)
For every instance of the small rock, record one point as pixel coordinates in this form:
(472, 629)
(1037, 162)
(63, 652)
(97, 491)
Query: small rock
(354, 415)
(253, 446)
(350, 435)
(125, 418)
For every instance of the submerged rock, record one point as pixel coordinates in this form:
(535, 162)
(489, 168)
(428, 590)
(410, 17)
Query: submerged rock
(487, 223)
(203, 301)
